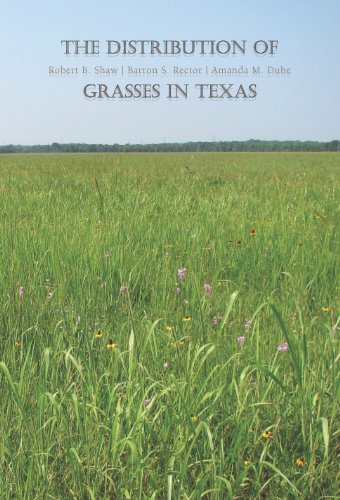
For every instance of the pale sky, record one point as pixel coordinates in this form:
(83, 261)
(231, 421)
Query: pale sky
(39, 108)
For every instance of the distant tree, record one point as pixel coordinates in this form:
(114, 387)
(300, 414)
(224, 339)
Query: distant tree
(55, 147)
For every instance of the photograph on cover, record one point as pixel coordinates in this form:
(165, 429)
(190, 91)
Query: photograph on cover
(169, 186)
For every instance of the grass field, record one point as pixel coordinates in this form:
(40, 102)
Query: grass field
(169, 326)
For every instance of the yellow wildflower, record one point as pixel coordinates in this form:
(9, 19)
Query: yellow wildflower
(178, 343)
(187, 318)
(111, 345)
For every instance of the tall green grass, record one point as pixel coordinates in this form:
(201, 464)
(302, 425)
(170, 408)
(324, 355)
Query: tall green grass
(179, 409)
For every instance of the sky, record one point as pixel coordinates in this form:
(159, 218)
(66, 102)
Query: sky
(41, 107)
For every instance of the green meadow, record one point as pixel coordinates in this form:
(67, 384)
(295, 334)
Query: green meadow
(169, 326)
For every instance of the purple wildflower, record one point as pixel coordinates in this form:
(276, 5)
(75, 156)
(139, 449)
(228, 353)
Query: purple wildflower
(147, 402)
(177, 290)
(241, 339)
(207, 288)
(283, 347)
(21, 292)
(181, 273)
(216, 320)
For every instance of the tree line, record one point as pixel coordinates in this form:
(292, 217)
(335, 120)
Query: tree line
(176, 147)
